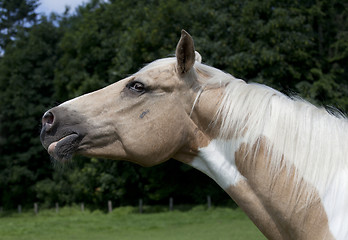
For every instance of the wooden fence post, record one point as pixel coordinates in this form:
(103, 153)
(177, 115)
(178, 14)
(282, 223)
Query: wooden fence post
(19, 208)
(140, 205)
(209, 201)
(36, 208)
(171, 204)
(57, 207)
(82, 207)
(110, 206)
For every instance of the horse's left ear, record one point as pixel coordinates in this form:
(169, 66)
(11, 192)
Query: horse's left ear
(185, 53)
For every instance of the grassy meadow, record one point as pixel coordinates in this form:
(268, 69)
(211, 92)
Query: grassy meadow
(125, 223)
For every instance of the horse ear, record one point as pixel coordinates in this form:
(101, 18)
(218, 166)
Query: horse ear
(185, 53)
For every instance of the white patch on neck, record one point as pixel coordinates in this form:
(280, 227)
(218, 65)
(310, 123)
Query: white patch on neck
(217, 160)
(335, 203)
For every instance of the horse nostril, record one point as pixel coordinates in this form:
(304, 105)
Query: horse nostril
(47, 118)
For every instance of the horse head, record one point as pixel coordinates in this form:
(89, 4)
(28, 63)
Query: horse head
(146, 118)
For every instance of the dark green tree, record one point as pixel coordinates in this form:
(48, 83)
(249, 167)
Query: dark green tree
(290, 45)
(327, 79)
(15, 15)
(26, 83)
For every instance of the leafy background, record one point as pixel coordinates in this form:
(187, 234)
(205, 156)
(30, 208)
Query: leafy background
(294, 46)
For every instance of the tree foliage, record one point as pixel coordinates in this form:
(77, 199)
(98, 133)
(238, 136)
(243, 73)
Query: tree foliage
(293, 46)
(26, 88)
(15, 15)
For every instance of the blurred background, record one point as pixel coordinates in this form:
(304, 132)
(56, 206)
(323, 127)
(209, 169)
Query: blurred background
(298, 47)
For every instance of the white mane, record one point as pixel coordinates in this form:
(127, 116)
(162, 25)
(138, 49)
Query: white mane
(307, 137)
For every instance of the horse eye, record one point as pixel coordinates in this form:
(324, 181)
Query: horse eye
(136, 86)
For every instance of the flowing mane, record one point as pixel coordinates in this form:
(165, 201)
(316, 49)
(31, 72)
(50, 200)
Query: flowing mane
(311, 138)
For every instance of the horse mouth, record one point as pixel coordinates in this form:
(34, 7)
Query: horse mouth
(63, 149)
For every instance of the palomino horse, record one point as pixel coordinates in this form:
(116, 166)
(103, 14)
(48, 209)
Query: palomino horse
(282, 160)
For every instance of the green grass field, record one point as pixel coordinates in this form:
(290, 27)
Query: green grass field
(124, 223)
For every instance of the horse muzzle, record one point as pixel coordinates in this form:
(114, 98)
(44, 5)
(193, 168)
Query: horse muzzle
(61, 134)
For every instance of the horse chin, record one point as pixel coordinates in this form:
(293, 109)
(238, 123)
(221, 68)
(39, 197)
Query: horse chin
(64, 149)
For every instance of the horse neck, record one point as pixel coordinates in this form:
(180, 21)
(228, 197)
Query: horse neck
(280, 202)
(270, 201)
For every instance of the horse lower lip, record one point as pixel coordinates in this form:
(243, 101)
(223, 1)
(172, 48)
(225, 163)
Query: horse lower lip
(65, 142)
(51, 148)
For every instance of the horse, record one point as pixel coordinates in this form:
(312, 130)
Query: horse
(280, 158)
